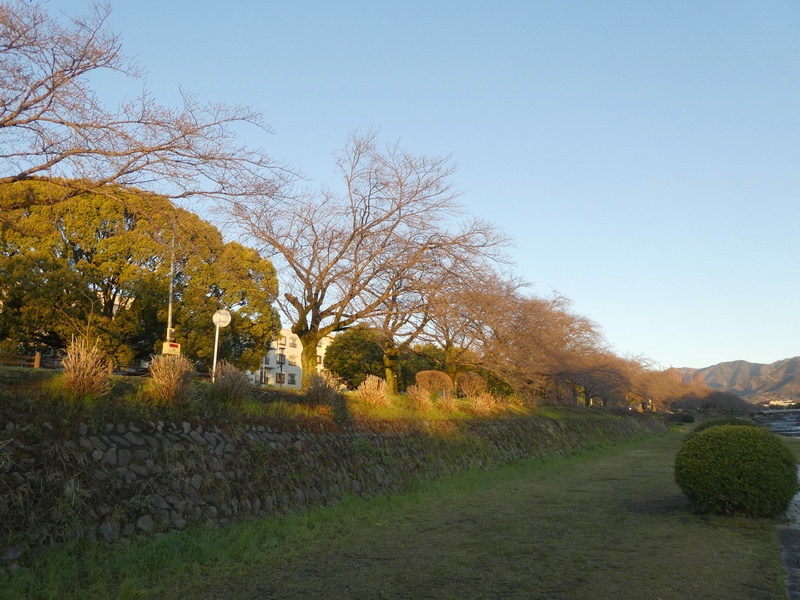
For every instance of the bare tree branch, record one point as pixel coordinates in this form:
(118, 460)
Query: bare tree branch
(54, 127)
(345, 255)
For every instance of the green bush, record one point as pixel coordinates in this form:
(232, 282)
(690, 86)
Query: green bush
(687, 418)
(736, 469)
(722, 421)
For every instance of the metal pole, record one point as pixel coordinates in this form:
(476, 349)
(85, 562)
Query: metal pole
(171, 286)
(216, 343)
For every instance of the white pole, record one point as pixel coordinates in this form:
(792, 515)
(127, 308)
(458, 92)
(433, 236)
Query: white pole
(216, 343)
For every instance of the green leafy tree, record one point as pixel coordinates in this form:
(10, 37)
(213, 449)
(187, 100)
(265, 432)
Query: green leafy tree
(99, 265)
(235, 278)
(354, 354)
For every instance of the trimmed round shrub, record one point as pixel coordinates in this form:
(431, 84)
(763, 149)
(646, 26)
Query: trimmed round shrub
(687, 418)
(736, 469)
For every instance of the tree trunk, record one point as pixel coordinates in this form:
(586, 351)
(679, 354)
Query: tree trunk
(390, 355)
(450, 365)
(308, 357)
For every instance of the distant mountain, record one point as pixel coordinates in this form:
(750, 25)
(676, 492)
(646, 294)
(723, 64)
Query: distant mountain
(755, 382)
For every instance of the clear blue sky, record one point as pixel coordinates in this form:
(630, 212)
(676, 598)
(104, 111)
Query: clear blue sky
(645, 155)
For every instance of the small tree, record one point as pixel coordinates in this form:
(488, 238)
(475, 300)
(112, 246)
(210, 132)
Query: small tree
(355, 354)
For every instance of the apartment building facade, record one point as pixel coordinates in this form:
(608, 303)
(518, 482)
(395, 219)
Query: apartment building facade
(282, 366)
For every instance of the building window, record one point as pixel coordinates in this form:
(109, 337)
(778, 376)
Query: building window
(292, 361)
(292, 343)
(266, 360)
(282, 340)
(292, 379)
(319, 360)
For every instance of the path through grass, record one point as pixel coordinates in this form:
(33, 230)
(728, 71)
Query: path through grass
(610, 523)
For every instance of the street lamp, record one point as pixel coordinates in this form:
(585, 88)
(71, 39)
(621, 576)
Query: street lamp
(221, 318)
(281, 358)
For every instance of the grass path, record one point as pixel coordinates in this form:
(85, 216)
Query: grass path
(610, 523)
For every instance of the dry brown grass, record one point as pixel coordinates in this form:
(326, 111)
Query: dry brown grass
(419, 398)
(323, 390)
(482, 404)
(231, 385)
(447, 400)
(171, 380)
(434, 381)
(85, 371)
(373, 391)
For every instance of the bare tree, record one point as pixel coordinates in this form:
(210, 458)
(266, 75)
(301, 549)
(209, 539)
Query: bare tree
(418, 306)
(540, 345)
(468, 303)
(54, 127)
(344, 256)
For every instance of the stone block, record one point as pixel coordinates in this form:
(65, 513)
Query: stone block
(109, 530)
(98, 443)
(140, 470)
(124, 457)
(110, 457)
(134, 440)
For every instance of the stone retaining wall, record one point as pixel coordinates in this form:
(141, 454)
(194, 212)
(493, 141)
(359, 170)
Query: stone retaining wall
(104, 481)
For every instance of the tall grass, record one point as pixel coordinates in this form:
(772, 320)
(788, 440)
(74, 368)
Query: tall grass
(231, 385)
(373, 391)
(171, 380)
(419, 398)
(85, 376)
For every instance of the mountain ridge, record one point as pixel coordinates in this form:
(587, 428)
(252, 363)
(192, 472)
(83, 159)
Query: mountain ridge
(756, 382)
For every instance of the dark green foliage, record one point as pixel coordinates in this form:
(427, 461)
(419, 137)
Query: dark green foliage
(687, 418)
(736, 469)
(98, 266)
(354, 354)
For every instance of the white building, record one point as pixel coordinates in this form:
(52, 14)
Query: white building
(282, 366)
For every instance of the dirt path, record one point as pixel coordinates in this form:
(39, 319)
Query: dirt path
(609, 527)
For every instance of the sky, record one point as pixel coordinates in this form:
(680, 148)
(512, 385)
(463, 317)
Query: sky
(644, 156)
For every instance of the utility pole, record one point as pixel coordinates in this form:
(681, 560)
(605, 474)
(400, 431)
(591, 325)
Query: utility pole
(171, 285)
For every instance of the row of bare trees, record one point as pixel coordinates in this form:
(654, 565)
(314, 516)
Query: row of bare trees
(390, 246)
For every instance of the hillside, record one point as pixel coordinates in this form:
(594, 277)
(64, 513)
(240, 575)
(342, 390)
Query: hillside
(753, 381)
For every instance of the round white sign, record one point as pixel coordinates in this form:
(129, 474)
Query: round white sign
(221, 318)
